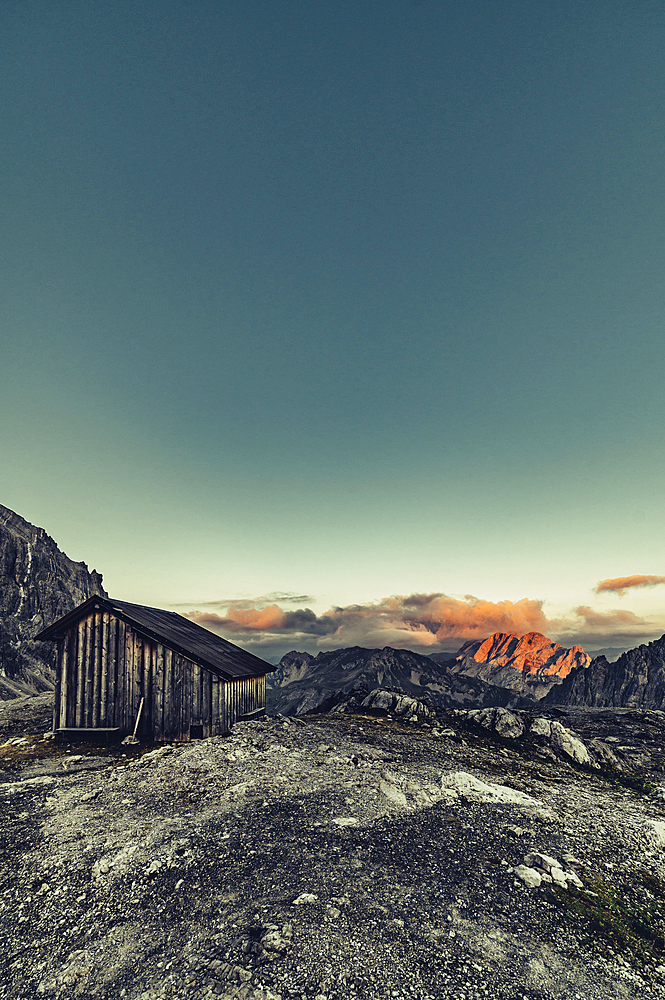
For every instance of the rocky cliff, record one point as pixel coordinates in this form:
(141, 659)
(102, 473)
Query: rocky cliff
(532, 653)
(635, 680)
(530, 664)
(303, 682)
(38, 584)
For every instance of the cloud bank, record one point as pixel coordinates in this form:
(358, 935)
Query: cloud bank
(422, 622)
(620, 584)
(419, 619)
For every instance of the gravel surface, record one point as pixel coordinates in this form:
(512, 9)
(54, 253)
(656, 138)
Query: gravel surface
(328, 857)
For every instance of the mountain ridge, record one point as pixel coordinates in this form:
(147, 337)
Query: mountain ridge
(38, 584)
(635, 680)
(502, 669)
(303, 682)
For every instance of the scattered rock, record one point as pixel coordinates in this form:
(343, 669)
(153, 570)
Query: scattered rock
(570, 745)
(504, 723)
(529, 876)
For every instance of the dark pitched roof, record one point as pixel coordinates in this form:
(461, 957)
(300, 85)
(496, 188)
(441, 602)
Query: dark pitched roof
(174, 631)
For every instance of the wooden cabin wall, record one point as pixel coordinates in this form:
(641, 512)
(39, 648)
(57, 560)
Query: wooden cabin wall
(94, 688)
(242, 696)
(104, 668)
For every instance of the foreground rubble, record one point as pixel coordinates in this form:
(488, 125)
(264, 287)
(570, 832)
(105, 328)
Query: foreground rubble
(331, 857)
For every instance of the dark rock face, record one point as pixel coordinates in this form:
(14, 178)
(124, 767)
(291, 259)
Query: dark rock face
(38, 584)
(303, 682)
(635, 680)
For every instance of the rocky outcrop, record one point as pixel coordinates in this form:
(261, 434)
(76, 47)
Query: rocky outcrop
(393, 703)
(304, 683)
(543, 731)
(38, 584)
(635, 680)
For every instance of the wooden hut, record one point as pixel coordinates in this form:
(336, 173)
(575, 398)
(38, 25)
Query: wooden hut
(112, 654)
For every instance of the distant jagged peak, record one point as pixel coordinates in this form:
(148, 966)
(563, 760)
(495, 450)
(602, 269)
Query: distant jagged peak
(532, 653)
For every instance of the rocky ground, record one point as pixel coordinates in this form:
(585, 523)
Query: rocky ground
(345, 855)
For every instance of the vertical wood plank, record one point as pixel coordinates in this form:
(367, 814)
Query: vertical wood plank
(224, 705)
(177, 689)
(73, 693)
(148, 676)
(180, 696)
(60, 657)
(168, 694)
(104, 670)
(185, 712)
(188, 716)
(178, 686)
(137, 679)
(118, 713)
(89, 670)
(219, 711)
(196, 694)
(64, 680)
(112, 671)
(187, 697)
(158, 695)
(80, 673)
(206, 717)
(173, 704)
(97, 670)
(213, 705)
(127, 724)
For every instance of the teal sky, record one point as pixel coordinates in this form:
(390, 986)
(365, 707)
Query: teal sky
(340, 301)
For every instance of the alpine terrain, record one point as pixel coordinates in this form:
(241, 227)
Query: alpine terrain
(529, 664)
(635, 680)
(304, 682)
(38, 583)
(501, 670)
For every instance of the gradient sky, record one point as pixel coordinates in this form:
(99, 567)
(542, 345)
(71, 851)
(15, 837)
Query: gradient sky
(311, 305)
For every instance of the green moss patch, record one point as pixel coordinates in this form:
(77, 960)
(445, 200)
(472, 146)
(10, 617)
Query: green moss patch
(625, 916)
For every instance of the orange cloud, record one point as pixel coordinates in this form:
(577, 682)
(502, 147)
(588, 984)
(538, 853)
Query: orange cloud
(417, 619)
(474, 617)
(430, 622)
(243, 619)
(620, 584)
(254, 619)
(268, 619)
(609, 620)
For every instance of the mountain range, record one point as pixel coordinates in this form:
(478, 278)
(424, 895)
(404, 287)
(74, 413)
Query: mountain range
(303, 682)
(504, 669)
